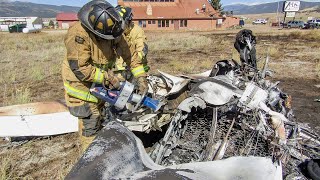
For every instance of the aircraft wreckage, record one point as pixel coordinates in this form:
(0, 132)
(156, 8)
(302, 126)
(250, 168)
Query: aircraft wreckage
(227, 123)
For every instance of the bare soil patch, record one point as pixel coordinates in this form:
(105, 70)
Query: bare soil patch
(303, 92)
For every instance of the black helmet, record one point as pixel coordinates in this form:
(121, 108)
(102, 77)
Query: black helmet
(125, 13)
(101, 18)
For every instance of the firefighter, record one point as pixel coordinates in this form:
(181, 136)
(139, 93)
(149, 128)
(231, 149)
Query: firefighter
(136, 39)
(93, 44)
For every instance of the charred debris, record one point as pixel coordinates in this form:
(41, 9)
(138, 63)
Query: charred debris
(236, 111)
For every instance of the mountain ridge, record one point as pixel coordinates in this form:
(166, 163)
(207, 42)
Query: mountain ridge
(18, 9)
(239, 9)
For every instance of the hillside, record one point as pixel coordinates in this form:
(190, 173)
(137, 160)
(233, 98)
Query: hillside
(18, 8)
(239, 9)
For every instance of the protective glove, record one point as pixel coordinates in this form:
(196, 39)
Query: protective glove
(142, 84)
(112, 81)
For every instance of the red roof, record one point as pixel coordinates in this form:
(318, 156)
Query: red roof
(67, 17)
(180, 9)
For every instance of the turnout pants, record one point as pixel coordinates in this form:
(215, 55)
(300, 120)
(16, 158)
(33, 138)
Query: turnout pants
(89, 119)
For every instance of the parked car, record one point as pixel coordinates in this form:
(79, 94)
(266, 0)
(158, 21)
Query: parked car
(314, 23)
(259, 21)
(296, 24)
(311, 26)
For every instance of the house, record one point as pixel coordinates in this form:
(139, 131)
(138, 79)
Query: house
(65, 20)
(34, 22)
(177, 15)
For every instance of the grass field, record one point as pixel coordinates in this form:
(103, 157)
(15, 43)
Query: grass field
(30, 72)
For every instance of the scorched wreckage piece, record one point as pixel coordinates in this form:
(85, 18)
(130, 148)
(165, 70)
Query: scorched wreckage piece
(36, 119)
(118, 154)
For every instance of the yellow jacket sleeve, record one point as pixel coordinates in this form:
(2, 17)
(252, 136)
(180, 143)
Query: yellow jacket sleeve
(138, 50)
(138, 40)
(79, 57)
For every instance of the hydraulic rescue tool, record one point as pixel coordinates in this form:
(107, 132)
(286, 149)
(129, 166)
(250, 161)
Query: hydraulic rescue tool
(119, 98)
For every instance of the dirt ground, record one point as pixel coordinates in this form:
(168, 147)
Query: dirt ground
(293, 59)
(303, 92)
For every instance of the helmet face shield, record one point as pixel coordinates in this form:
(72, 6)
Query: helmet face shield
(102, 19)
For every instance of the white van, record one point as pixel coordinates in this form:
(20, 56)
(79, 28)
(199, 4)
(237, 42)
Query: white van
(259, 21)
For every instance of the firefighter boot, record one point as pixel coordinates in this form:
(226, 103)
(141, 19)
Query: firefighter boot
(85, 142)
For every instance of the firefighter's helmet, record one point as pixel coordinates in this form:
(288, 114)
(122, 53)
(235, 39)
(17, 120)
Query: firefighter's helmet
(101, 18)
(125, 13)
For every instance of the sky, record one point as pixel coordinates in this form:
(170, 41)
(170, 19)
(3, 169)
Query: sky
(114, 2)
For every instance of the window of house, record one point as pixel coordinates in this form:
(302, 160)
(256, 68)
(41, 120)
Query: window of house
(149, 22)
(183, 23)
(153, 21)
(142, 23)
(163, 23)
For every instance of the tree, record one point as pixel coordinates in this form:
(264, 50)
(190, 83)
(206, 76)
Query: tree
(216, 4)
(51, 24)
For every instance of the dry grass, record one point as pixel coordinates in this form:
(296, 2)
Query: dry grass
(184, 41)
(186, 52)
(21, 96)
(310, 35)
(30, 58)
(48, 158)
(6, 164)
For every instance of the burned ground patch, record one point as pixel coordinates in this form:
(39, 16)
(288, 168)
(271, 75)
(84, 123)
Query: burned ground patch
(303, 92)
